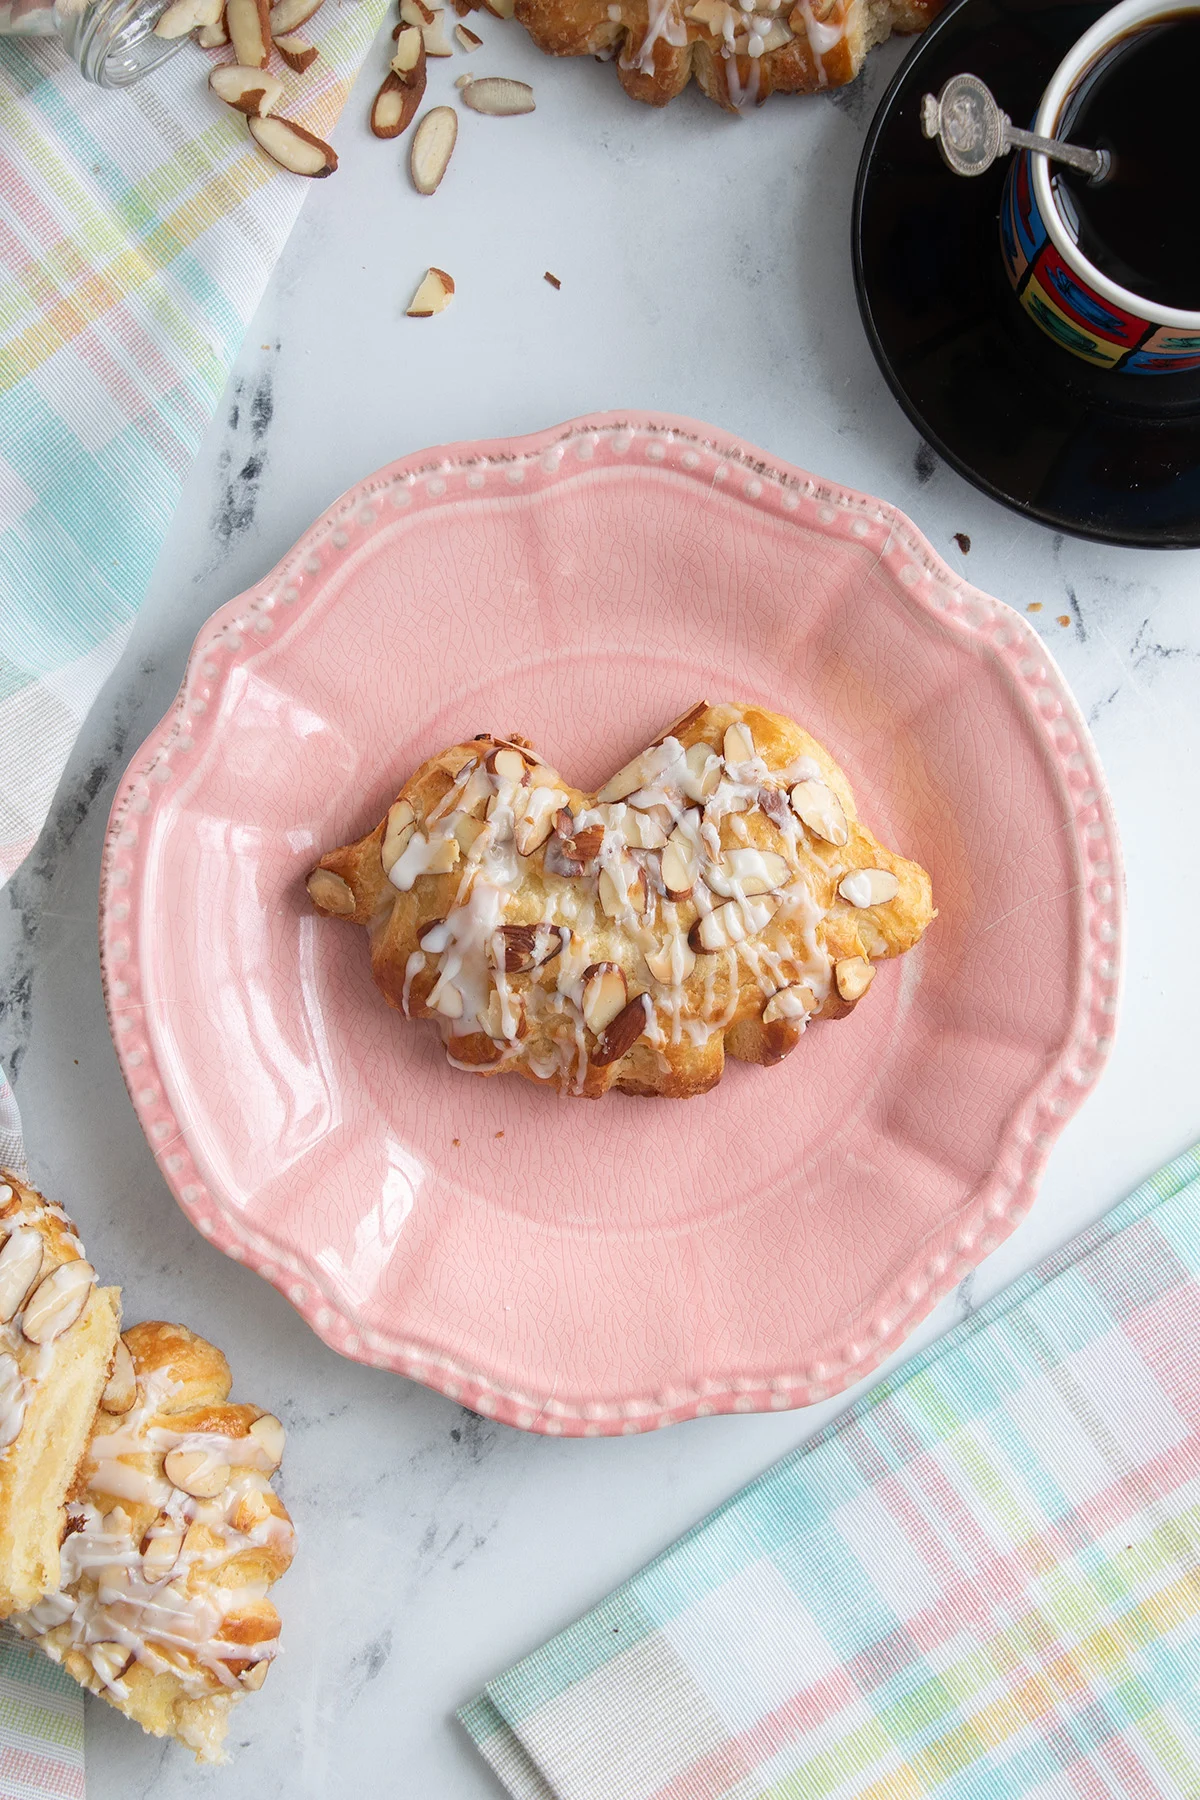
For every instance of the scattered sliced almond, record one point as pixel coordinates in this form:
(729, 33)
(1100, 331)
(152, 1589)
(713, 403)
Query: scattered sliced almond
(853, 975)
(183, 16)
(604, 995)
(622, 1034)
(818, 807)
(501, 9)
(739, 742)
(160, 1552)
(121, 1389)
(250, 91)
(552, 279)
(196, 1473)
(57, 1302)
(414, 12)
(790, 1003)
(269, 1436)
(293, 148)
(296, 51)
(401, 822)
(214, 36)
(433, 295)
(467, 38)
(672, 962)
(498, 96)
(732, 923)
(393, 107)
(289, 15)
(462, 81)
(20, 1266)
(869, 887)
(248, 23)
(329, 893)
(410, 51)
(434, 36)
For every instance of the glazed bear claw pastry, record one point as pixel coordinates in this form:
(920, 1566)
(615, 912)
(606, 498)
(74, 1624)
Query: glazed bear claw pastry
(738, 51)
(714, 897)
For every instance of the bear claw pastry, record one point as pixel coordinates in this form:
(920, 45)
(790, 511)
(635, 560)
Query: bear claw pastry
(714, 897)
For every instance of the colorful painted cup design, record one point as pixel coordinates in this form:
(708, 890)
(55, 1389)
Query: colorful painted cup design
(1072, 301)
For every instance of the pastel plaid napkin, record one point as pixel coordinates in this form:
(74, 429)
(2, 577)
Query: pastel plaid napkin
(41, 1727)
(137, 232)
(981, 1583)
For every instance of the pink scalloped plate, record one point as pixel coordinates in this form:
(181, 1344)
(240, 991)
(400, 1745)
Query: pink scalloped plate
(589, 1267)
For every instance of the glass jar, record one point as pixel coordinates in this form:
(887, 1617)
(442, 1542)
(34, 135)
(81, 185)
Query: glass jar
(113, 41)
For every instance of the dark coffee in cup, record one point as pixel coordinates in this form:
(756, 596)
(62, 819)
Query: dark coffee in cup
(1140, 227)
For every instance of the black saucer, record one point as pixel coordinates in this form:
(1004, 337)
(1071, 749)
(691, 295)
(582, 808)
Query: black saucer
(1113, 457)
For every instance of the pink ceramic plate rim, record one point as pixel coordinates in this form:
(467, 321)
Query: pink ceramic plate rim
(432, 478)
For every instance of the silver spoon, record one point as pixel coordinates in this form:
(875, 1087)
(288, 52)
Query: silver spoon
(972, 132)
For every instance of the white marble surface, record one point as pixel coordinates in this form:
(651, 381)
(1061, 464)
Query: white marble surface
(705, 270)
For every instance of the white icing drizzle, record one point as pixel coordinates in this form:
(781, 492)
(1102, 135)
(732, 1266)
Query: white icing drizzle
(665, 23)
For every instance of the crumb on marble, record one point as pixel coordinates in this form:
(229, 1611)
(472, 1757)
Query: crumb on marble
(963, 541)
(1064, 618)
(552, 279)
(1034, 606)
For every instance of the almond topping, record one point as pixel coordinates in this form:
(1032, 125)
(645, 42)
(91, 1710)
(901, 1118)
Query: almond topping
(672, 962)
(467, 38)
(536, 822)
(448, 1001)
(330, 894)
(818, 807)
(869, 887)
(196, 1473)
(12, 1400)
(290, 15)
(20, 1266)
(704, 772)
(292, 147)
(733, 923)
(433, 295)
(110, 1661)
(255, 1675)
(854, 975)
(679, 867)
(510, 765)
(644, 767)
(160, 1552)
(622, 1034)
(498, 96)
(401, 822)
(754, 871)
(466, 830)
(296, 52)
(642, 830)
(121, 1389)
(269, 1435)
(630, 891)
(248, 23)
(790, 1003)
(410, 50)
(434, 36)
(604, 995)
(575, 848)
(183, 16)
(739, 742)
(501, 9)
(529, 946)
(249, 91)
(57, 1302)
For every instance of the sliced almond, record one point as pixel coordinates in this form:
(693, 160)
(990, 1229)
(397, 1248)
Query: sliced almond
(466, 830)
(120, 1391)
(773, 802)
(501, 9)
(774, 34)
(448, 1001)
(160, 1552)
(672, 962)
(636, 774)
(510, 765)
(269, 1436)
(410, 51)
(183, 16)
(196, 1473)
(494, 1017)
(255, 1675)
(12, 1400)
(783, 1020)
(790, 1003)
(622, 1034)
(642, 830)
(250, 91)
(289, 15)
(248, 23)
(853, 975)
(296, 51)
(571, 851)
(57, 1302)
(401, 822)
(330, 894)
(414, 12)
(733, 923)
(754, 871)
(529, 946)
(536, 821)
(20, 1266)
(869, 887)
(110, 1660)
(604, 995)
(467, 38)
(704, 772)
(739, 742)
(679, 867)
(214, 36)
(499, 96)
(434, 37)
(818, 807)
(630, 891)
(433, 296)
(292, 147)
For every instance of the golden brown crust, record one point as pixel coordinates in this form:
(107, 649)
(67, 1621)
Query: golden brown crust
(508, 978)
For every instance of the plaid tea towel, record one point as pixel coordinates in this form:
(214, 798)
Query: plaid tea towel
(41, 1727)
(137, 232)
(982, 1582)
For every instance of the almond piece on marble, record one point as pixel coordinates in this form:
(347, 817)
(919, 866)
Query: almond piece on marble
(292, 147)
(869, 887)
(249, 91)
(57, 1301)
(501, 9)
(499, 96)
(605, 994)
(434, 37)
(432, 296)
(467, 38)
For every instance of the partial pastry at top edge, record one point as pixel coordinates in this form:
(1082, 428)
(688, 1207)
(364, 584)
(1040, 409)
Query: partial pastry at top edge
(713, 897)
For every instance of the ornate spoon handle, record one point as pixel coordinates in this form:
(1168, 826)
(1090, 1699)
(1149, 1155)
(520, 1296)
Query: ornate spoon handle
(971, 132)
